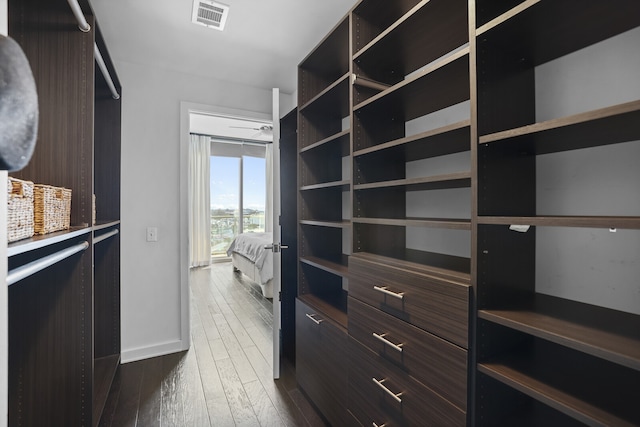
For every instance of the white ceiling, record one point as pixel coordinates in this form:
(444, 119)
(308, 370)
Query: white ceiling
(261, 46)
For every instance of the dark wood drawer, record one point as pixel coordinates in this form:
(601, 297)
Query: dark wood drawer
(374, 402)
(434, 304)
(435, 362)
(321, 368)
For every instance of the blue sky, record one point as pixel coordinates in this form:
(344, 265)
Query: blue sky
(225, 187)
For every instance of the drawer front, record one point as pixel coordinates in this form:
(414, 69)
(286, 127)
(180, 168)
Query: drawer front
(435, 362)
(321, 368)
(433, 304)
(381, 393)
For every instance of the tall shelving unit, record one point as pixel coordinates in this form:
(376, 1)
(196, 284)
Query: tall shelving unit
(323, 143)
(64, 320)
(464, 133)
(551, 359)
(411, 142)
(324, 227)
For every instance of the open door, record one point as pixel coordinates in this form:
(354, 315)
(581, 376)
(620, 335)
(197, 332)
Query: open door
(276, 246)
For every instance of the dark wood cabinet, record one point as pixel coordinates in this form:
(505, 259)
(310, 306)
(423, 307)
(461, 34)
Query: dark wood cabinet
(321, 348)
(491, 223)
(64, 320)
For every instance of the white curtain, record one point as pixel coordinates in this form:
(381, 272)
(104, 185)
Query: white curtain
(199, 200)
(268, 214)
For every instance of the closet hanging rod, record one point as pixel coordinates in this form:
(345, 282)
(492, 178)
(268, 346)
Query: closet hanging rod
(85, 27)
(32, 268)
(105, 72)
(105, 236)
(77, 12)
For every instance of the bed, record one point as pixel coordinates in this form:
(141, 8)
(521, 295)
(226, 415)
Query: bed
(249, 256)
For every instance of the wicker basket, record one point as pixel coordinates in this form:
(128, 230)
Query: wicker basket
(19, 209)
(52, 208)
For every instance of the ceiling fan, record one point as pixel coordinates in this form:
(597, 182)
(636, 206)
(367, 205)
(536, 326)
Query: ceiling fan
(263, 130)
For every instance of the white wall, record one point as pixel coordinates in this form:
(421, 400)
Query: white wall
(151, 196)
(594, 266)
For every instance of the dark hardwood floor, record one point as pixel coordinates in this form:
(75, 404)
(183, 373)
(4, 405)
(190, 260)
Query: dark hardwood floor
(225, 379)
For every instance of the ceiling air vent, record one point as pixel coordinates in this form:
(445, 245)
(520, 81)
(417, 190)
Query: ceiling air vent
(210, 14)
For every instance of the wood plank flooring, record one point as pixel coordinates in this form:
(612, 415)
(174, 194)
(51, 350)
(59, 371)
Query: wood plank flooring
(225, 379)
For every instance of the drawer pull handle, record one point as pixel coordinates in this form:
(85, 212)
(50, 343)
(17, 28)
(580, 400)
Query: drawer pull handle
(381, 337)
(384, 290)
(380, 384)
(381, 425)
(313, 318)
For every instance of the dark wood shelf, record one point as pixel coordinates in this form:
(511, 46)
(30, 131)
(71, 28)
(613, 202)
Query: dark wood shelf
(425, 33)
(541, 31)
(39, 242)
(437, 182)
(450, 223)
(104, 370)
(344, 184)
(326, 307)
(325, 64)
(453, 138)
(335, 97)
(608, 334)
(625, 222)
(570, 388)
(341, 138)
(443, 266)
(372, 17)
(101, 225)
(339, 269)
(329, 224)
(610, 125)
(439, 85)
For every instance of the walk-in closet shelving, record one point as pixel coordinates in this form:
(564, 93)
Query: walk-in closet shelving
(554, 350)
(324, 177)
(64, 320)
(418, 82)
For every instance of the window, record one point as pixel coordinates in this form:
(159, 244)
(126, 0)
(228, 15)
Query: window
(238, 192)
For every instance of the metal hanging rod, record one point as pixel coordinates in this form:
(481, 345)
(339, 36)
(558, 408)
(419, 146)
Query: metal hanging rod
(85, 28)
(77, 12)
(105, 236)
(32, 268)
(105, 72)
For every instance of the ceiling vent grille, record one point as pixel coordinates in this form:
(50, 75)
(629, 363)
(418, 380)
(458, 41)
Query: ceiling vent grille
(210, 14)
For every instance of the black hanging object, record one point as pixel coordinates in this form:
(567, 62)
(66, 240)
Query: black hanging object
(18, 107)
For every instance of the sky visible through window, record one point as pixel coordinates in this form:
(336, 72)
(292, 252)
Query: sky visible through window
(225, 185)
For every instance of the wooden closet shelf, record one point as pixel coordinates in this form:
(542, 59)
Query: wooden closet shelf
(437, 182)
(344, 184)
(334, 97)
(439, 85)
(337, 268)
(449, 139)
(450, 223)
(329, 224)
(410, 42)
(589, 329)
(38, 242)
(551, 396)
(546, 30)
(610, 125)
(624, 222)
(339, 138)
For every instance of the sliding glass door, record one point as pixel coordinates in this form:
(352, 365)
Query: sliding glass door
(238, 193)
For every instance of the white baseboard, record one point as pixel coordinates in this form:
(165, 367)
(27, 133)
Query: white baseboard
(136, 354)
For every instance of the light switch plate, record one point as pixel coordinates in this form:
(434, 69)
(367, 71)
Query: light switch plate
(152, 234)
